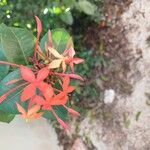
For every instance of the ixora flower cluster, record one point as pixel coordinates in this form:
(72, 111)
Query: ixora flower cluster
(46, 82)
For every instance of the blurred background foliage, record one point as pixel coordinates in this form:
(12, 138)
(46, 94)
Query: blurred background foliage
(73, 15)
(54, 13)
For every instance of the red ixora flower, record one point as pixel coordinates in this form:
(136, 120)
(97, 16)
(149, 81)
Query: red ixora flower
(39, 85)
(32, 113)
(33, 82)
(66, 58)
(60, 99)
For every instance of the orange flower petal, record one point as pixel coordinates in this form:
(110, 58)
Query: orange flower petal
(33, 110)
(27, 74)
(39, 100)
(36, 115)
(42, 74)
(42, 86)
(77, 60)
(31, 102)
(21, 109)
(66, 81)
(47, 107)
(28, 92)
(71, 52)
(70, 89)
(46, 90)
(55, 64)
(54, 52)
(62, 101)
(59, 96)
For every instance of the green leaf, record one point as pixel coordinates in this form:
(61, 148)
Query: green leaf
(9, 104)
(3, 68)
(69, 3)
(87, 7)
(17, 43)
(60, 38)
(67, 18)
(6, 117)
(61, 112)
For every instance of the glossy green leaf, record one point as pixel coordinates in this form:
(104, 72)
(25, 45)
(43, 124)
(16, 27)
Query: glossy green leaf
(9, 104)
(69, 3)
(61, 112)
(87, 7)
(16, 42)
(67, 18)
(6, 117)
(3, 68)
(60, 38)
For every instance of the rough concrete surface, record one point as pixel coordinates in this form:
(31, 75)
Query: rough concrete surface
(128, 127)
(34, 135)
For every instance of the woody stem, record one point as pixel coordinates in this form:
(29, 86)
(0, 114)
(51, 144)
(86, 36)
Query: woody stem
(8, 63)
